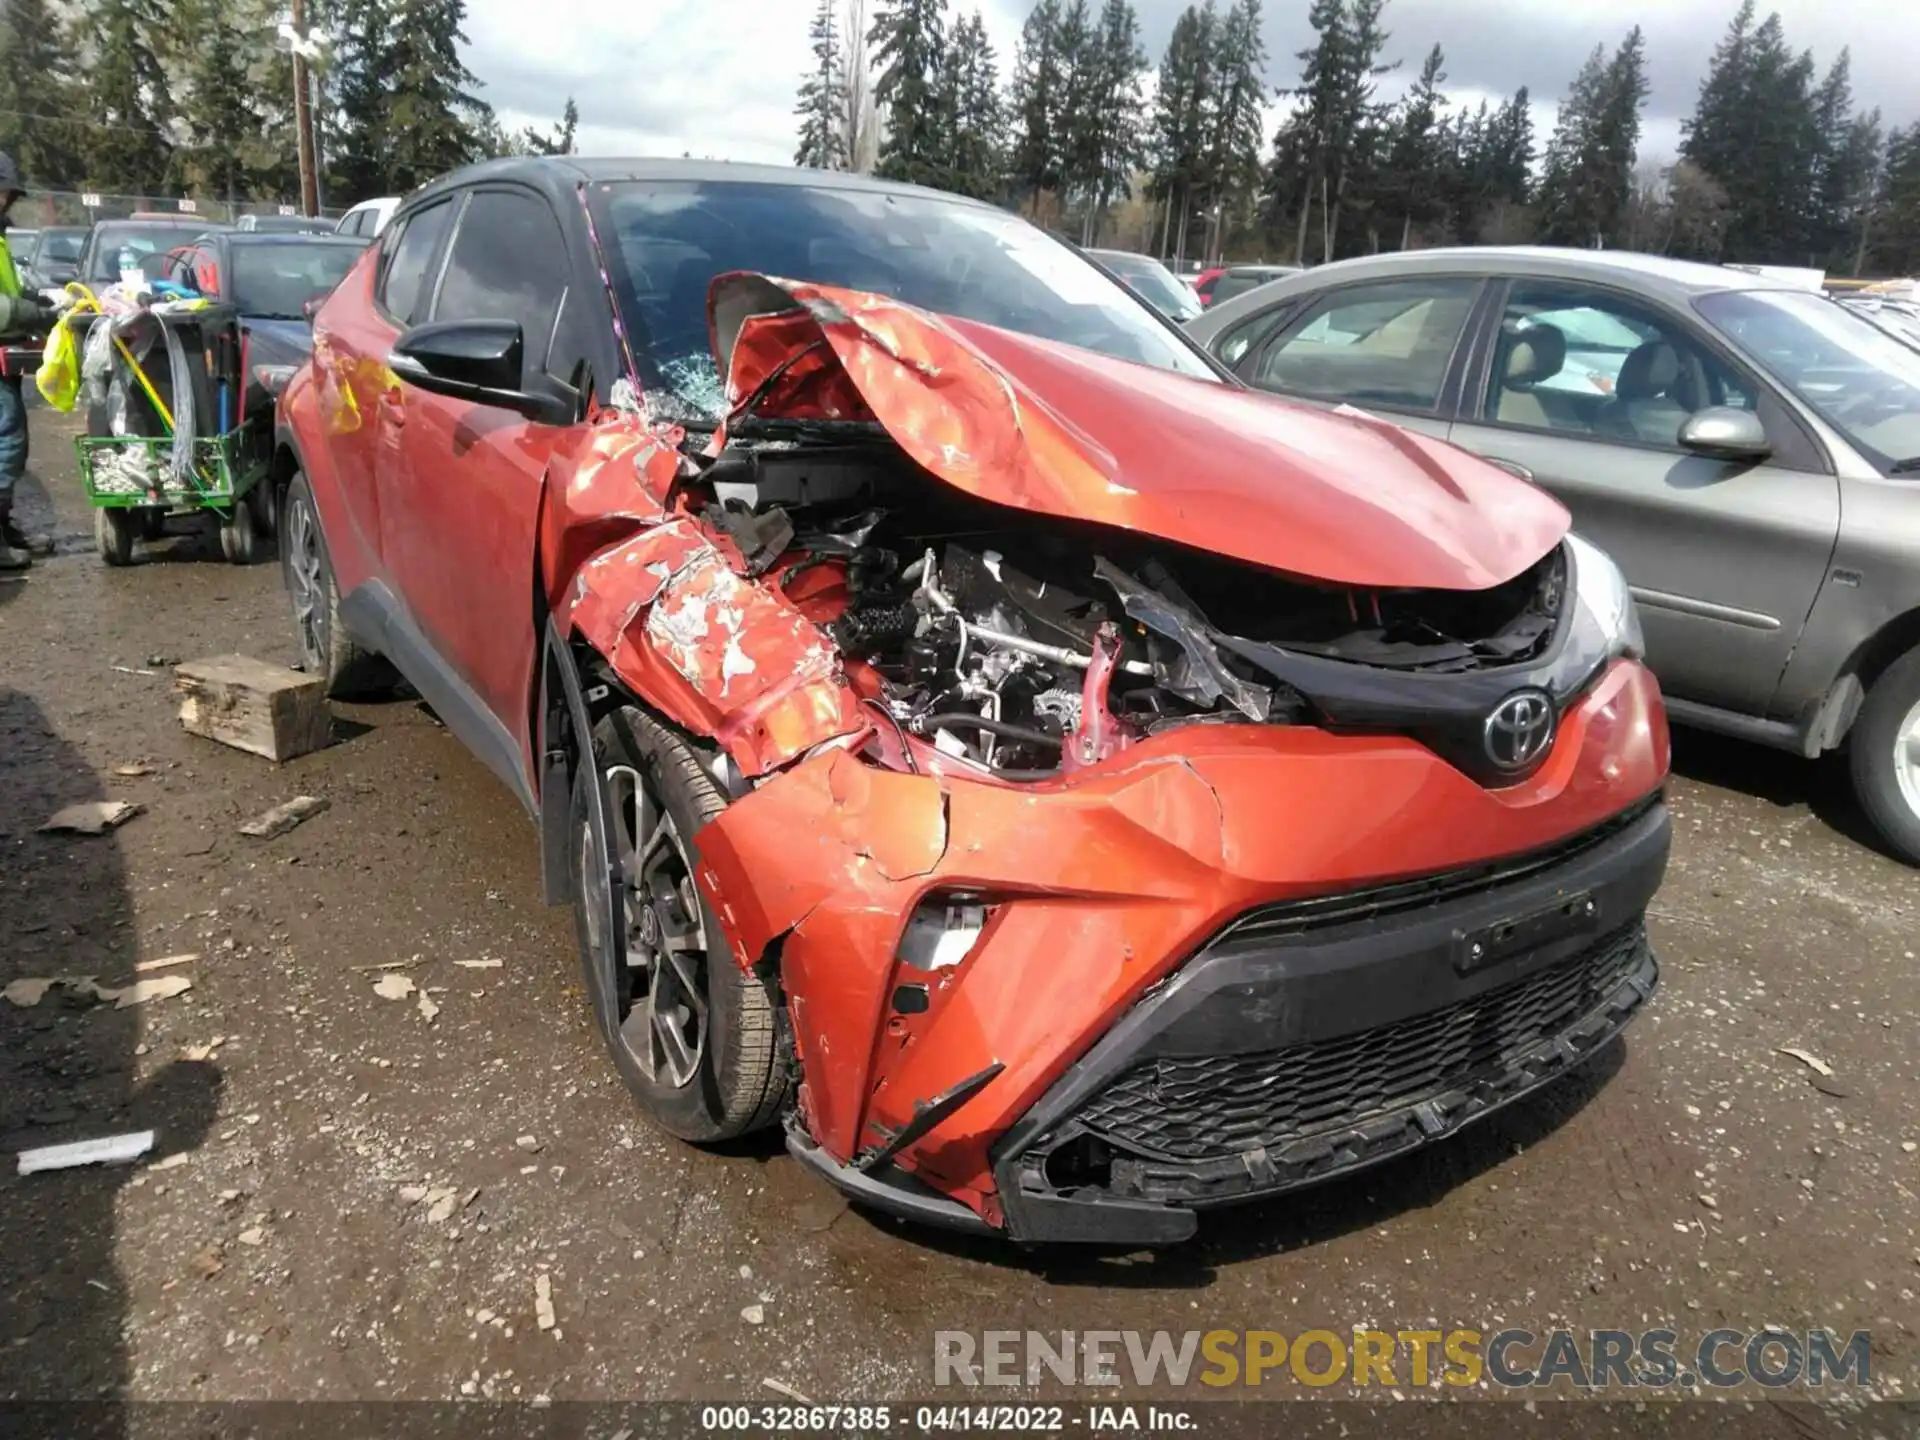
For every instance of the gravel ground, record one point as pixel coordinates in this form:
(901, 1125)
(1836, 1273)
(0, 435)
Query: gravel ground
(1695, 1176)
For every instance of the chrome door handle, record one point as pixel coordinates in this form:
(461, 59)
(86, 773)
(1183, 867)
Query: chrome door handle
(1512, 467)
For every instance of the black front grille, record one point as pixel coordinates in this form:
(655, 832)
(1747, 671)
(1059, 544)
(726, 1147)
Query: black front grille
(1288, 918)
(1206, 1107)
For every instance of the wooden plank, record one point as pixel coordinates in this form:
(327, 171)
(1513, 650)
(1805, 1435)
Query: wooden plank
(253, 706)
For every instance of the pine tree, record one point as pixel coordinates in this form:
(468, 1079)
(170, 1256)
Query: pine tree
(1847, 148)
(1756, 134)
(1038, 98)
(1337, 132)
(979, 125)
(433, 119)
(1588, 181)
(1713, 139)
(1079, 121)
(37, 95)
(823, 98)
(1238, 119)
(909, 44)
(1896, 223)
(1115, 146)
(127, 98)
(1413, 175)
(1181, 125)
(225, 130)
(563, 138)
(358, 118)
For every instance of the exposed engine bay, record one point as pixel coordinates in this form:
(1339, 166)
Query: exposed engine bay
(1030, 646)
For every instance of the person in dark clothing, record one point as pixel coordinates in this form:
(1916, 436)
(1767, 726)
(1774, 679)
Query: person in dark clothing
(23, 317)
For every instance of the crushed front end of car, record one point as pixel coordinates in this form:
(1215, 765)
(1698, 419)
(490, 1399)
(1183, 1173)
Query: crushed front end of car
(1149, 795)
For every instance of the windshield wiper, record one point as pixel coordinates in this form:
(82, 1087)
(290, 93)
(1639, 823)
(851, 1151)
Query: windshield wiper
(1907, 466)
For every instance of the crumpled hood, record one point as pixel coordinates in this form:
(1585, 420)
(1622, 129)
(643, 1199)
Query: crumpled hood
(1337, 496)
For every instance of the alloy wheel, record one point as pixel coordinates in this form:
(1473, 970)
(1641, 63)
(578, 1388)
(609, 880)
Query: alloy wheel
(661, 989)
(306, 584)
(1906, 759)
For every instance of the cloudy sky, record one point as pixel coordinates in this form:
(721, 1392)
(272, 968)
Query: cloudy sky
(718, 77)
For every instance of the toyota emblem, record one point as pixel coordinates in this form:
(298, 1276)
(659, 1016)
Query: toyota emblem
(1519, 730)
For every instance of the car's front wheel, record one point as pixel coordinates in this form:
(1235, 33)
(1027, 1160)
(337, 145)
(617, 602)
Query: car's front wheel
(697, 1040)
(1885, 756)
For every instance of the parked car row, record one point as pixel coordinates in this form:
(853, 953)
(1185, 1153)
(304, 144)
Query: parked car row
(1060, 786)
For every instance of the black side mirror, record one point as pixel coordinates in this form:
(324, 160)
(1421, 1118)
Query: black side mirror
(477, 360)
(1726, 434)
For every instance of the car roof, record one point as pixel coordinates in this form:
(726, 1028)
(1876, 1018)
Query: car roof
(1676, 281)
(1677, 278)
(269, 239)
(556, 173)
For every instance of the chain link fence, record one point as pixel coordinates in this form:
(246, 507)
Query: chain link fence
(83, 207)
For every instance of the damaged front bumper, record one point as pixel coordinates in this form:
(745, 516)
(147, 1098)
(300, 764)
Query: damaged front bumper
(1313, 1039)
(1168, 874)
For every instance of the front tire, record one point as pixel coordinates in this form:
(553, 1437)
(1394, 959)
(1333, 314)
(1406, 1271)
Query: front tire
(1885, 756)
(697, 1040)
(326, 649)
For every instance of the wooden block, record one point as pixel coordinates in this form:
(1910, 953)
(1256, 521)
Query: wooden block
(253, 706)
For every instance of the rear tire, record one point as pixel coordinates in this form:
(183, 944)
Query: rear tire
(697, 1040)
(327, 651)
(242, 540)
(1884, 756)
(114, 529)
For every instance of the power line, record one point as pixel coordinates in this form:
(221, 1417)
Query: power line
(89, 124)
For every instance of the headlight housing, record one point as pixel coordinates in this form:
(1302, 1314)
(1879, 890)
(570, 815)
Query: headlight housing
(1605, 623)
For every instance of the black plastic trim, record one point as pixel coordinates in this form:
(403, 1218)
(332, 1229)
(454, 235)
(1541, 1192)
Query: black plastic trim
(890, 1189)
(371, 610)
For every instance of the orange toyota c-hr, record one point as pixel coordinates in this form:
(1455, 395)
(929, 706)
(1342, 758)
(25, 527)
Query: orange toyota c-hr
(1062, 788)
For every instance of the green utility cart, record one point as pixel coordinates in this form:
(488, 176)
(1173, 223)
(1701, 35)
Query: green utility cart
(135, 472)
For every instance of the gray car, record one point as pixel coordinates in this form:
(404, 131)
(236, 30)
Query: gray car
(1749, 453)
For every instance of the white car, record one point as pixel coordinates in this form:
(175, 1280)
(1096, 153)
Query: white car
(369, 217)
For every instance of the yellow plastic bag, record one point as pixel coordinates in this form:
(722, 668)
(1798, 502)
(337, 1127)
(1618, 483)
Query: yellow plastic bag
(59, 375)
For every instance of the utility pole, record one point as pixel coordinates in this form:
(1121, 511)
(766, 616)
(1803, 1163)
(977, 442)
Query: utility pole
(303, 114)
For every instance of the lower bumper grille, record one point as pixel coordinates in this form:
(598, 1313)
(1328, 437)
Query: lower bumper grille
(1208, 1107)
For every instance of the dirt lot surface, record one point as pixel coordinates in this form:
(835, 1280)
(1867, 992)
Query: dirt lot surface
(1695, 1177)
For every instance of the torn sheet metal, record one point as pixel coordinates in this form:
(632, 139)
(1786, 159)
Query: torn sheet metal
(721, 655)
(1063, 431)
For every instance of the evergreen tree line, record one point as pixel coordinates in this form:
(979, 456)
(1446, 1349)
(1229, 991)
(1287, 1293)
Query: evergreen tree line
(196, 97)
(1776, 165)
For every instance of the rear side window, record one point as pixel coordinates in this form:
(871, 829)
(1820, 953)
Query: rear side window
(1382, 344)
(508, 262)
(404, 283)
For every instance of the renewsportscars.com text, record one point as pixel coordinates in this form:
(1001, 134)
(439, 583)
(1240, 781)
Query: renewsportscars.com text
(1509, 1359)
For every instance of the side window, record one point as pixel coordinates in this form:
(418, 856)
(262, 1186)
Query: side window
(1388, 343)
(1587, 362)
(508, 262)
(403, 285)
(1249, 333)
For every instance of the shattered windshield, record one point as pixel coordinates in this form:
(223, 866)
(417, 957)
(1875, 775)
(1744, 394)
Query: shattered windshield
(665, 241)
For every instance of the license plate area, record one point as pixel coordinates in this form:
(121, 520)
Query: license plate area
(1570, 916)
